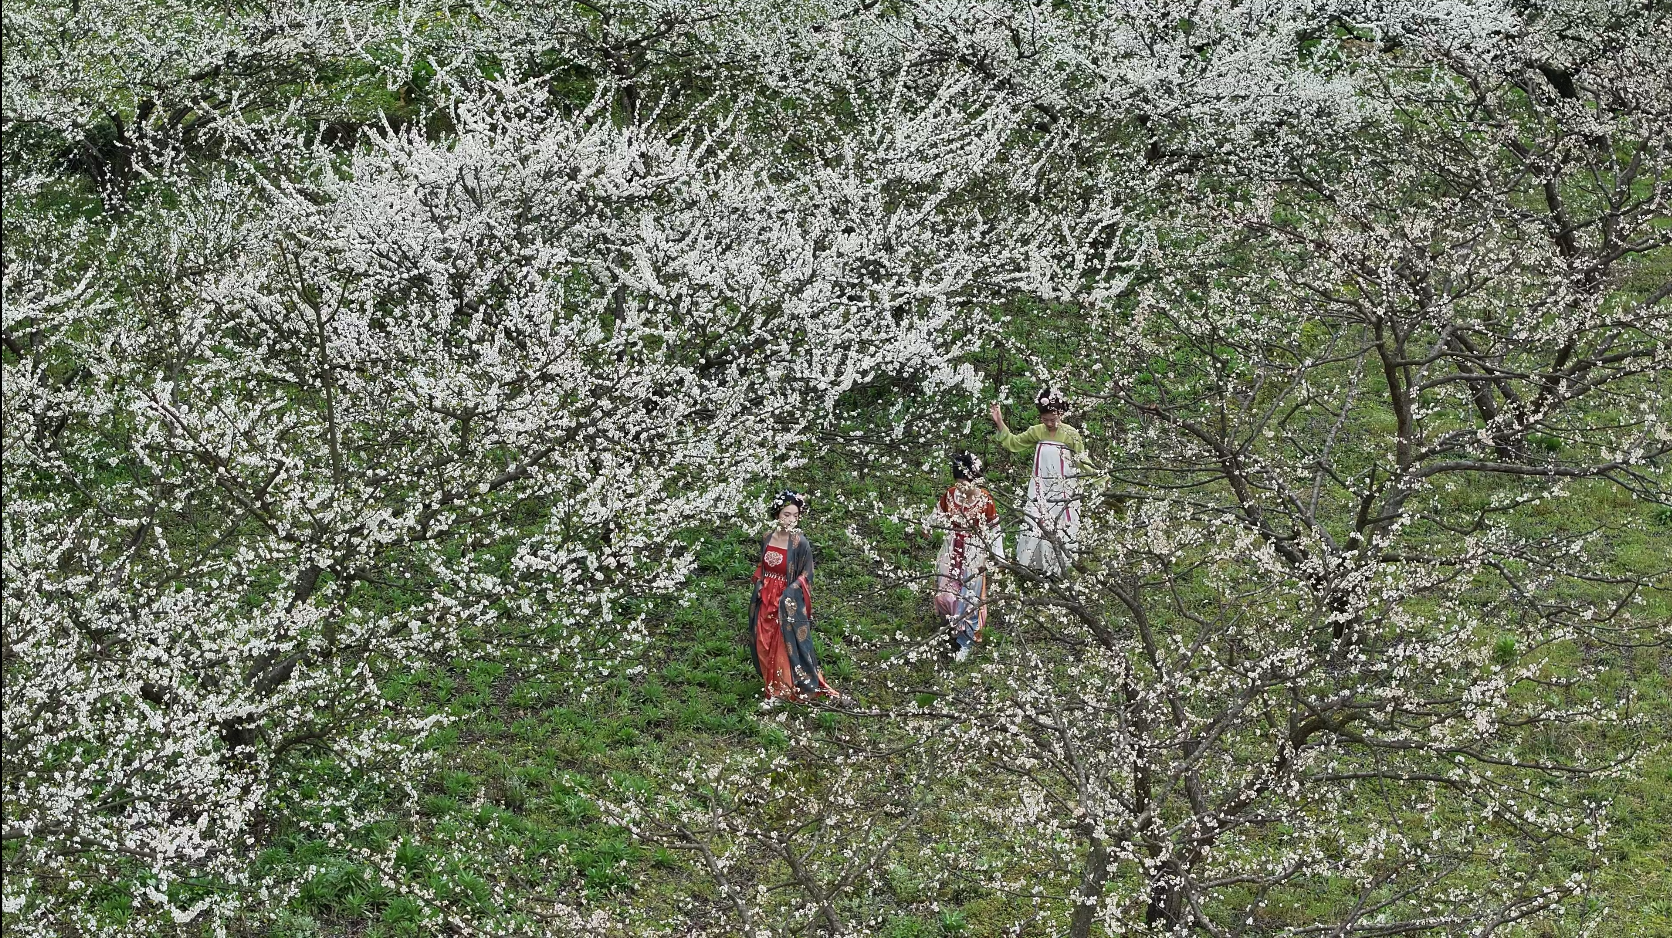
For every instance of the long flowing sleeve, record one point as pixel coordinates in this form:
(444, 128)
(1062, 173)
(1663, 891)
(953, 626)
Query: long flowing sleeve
(940, 519)
(755, 611)
(801, 572)
(760, 559)
(1076, 444)
(993, 531)
(1019, 442)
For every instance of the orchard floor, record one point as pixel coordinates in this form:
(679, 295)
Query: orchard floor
(525, 754)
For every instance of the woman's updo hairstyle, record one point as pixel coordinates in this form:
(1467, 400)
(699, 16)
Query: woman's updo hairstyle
(1051, 401)
(787, 497)
(966, 466)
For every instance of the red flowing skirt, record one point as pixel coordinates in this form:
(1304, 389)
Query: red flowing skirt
(769, 639)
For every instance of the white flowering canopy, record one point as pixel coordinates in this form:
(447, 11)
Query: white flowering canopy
(346, 336)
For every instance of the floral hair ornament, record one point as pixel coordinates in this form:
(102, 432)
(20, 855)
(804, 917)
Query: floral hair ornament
(788, 497)
(966, 466)
(1051, 401)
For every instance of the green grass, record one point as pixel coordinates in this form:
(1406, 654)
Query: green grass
(528, 756)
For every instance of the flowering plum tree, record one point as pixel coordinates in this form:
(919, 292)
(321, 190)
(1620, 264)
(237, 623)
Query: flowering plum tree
(1328, 652)
(346, 339)
(280, 436)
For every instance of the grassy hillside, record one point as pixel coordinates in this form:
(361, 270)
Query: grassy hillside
(526, 754)
(376, 374)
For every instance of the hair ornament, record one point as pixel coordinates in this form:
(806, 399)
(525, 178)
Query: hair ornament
(788, 497)
(1051, 400)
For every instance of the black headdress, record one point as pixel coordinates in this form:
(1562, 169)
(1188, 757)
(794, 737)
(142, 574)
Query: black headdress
(966, 466)
(1051, 400)
(788, 497)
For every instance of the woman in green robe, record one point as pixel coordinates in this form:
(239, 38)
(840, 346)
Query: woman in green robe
(1051, 512)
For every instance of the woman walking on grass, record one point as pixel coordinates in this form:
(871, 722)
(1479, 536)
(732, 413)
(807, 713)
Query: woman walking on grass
(781, 609)
(971, 521)
(1051, 516)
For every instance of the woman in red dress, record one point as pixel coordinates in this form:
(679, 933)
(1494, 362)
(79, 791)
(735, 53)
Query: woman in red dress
(781, 609)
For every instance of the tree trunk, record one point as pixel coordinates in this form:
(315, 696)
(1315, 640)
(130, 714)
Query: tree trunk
(1092, 878)
(1165, 903)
